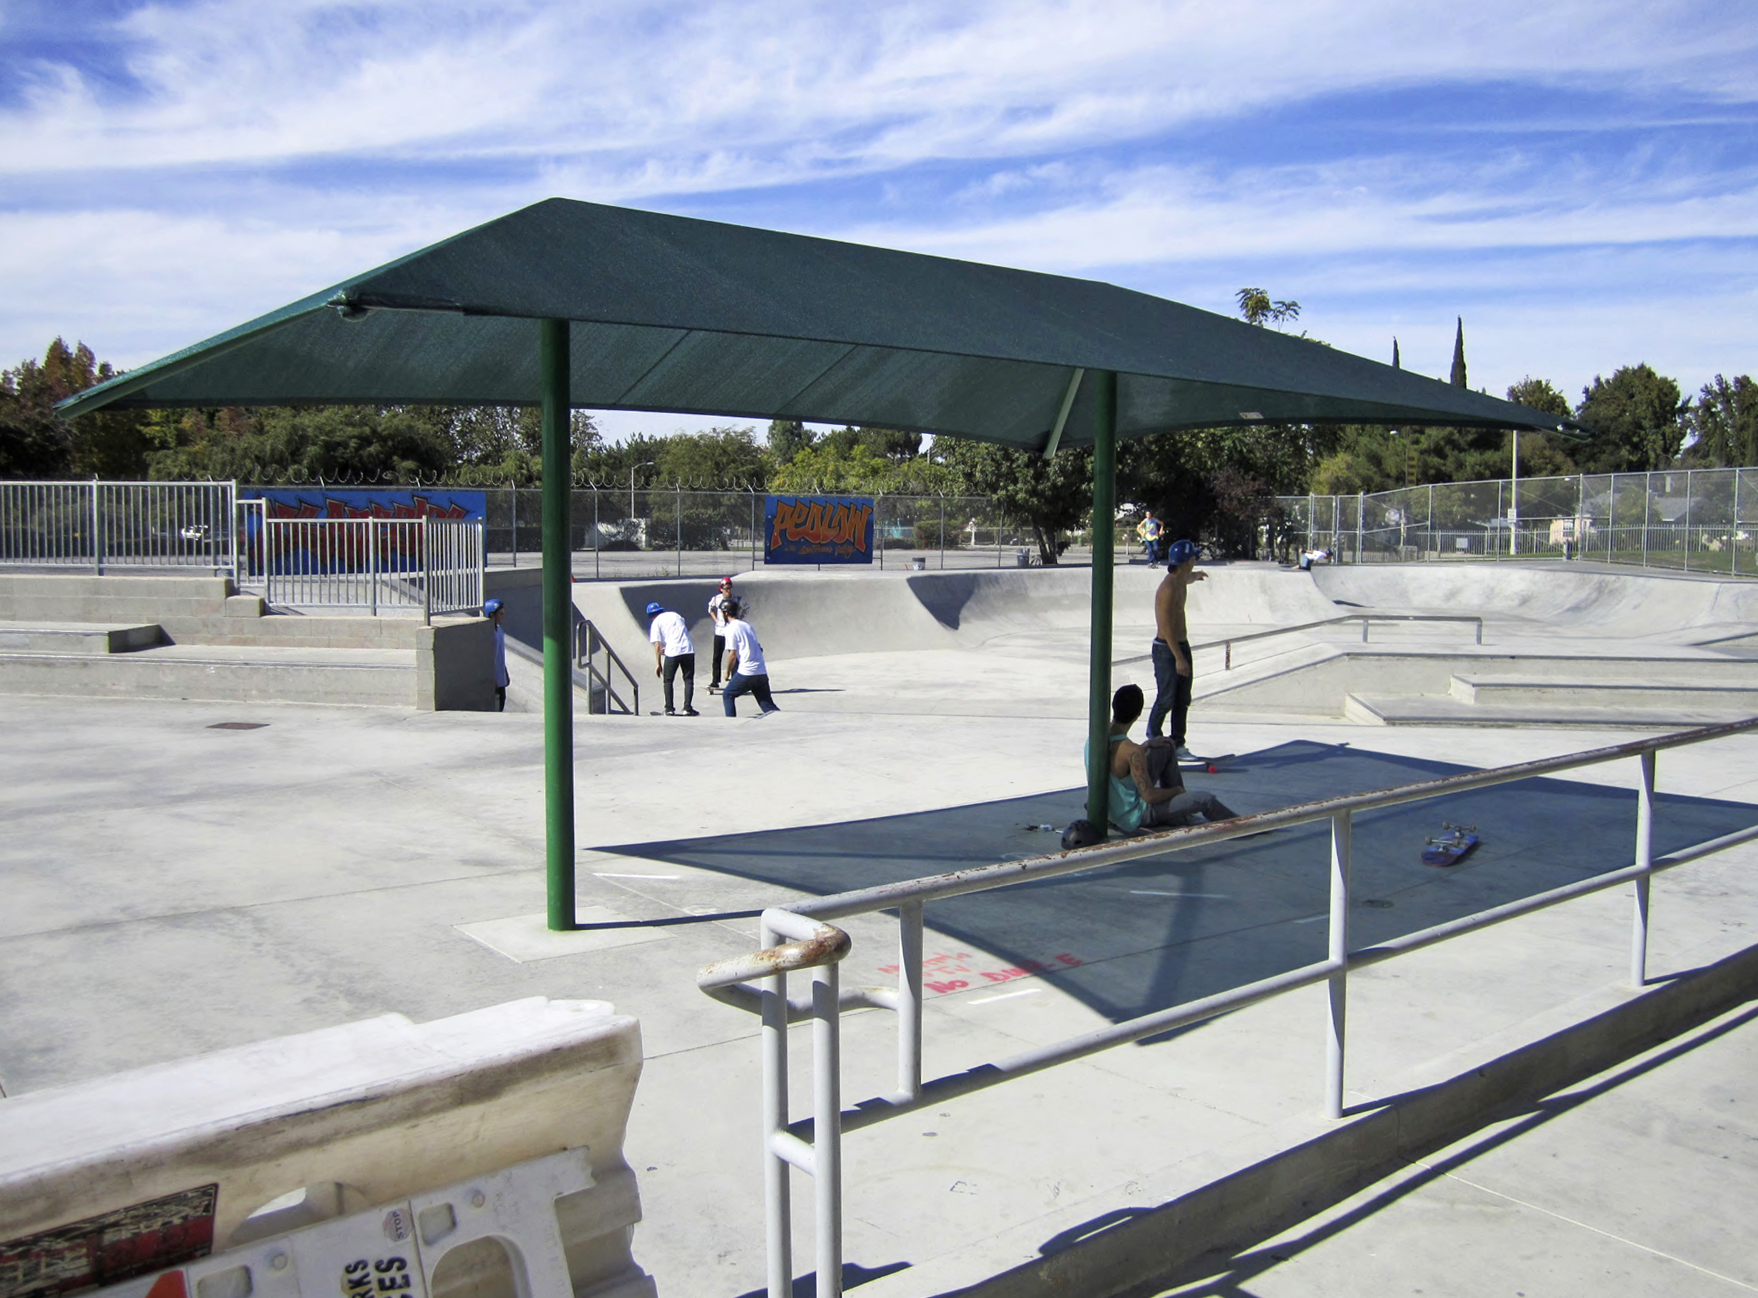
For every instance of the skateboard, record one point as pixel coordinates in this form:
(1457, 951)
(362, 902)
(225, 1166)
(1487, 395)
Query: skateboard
(1209, 765)
(1451, 845)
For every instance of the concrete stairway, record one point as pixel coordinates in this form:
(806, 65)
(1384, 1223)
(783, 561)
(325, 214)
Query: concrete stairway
(196, 638)
(1598, 692)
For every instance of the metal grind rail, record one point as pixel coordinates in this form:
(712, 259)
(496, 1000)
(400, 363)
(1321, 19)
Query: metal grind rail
(1366, 620)
(800, 936)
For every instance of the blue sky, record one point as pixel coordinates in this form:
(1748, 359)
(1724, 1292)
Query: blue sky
(1578, 180)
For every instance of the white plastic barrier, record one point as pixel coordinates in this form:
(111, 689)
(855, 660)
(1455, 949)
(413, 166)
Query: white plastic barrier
(107, 1181)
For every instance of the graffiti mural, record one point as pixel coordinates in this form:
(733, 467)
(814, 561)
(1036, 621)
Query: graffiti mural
(818, 529)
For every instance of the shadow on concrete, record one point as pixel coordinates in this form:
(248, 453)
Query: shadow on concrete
(1135, 938)
(1224, 1274)
(853, 1275)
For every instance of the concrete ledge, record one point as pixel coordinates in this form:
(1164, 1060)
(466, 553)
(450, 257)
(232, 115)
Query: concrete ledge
(1151, 1249)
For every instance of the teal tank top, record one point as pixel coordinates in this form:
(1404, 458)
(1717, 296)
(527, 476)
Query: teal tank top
(1126, 805)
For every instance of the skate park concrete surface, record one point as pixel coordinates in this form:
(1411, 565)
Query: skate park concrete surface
(173, 888)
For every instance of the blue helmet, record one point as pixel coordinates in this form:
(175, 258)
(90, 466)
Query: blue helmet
(655, 608)
(491, 607)
(1182, 552)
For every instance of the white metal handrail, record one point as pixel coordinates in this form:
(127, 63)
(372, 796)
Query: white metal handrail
(418, 565)
(98, 525)
(1366, 620)
(799, 936)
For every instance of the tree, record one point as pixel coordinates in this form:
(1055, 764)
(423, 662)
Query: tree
(1635, 416)
(720, 457)
(787, 438)
(1048, 495)
(35, 442)
(1256, 307)
(1724, 423)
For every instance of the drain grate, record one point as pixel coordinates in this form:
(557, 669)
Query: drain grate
(238, 725)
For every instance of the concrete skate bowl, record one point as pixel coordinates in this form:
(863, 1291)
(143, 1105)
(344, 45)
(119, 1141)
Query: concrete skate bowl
(1567, 599)
(812, 614)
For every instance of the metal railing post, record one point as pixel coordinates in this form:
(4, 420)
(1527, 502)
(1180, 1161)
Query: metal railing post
(678, 518)
(426, 576)
(1689, 475)
(481, 561)
(1733, 531)
(827, 1126)
(753, 492)
(97, 533)
(943, 533)
(1644, 863)
(1337, 1003)
(372, 539)
(909, 999)
(777, 1183)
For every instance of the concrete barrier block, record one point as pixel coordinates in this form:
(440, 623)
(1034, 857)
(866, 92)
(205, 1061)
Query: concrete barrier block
(244, 606)
(336, 1121)
(454, 666)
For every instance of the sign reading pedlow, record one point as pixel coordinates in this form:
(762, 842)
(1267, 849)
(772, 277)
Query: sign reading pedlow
(818, 529)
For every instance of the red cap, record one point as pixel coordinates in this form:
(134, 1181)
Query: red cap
(726, 581)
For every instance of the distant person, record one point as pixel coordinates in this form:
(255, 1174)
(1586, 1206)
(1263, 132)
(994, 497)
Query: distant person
(717, 615)
(1171, 648)
(492, 610)
(1149, 531)
(746, 672)
(1136, 801)
(1310, 557)
(673, 653)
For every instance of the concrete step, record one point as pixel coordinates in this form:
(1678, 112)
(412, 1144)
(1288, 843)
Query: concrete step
(78, 637)
(362, 677)
(1513, 691)
(1445, 710)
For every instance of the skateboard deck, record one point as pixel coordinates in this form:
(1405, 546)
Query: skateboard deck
(1209, 765)
(1451, 845)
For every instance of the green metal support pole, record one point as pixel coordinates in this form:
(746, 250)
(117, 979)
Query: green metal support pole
(1104, 540)
(558, 623)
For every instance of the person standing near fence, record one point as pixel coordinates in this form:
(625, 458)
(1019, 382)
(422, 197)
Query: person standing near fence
(1149, 532)
(492, 610)
(1171, 649)
(746, 672)
(673, 653)
(717, 615)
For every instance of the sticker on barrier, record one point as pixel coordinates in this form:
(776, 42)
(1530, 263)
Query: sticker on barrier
(394, 1250)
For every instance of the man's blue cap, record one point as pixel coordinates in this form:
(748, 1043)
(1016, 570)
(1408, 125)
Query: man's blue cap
(492, 607)
(1182, 552)
(655, 608)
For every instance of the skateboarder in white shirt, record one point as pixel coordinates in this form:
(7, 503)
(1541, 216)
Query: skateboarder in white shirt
(746, 672)
(717, 615)
(673, 653)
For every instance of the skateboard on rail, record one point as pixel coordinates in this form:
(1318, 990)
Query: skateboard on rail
(1450, 846)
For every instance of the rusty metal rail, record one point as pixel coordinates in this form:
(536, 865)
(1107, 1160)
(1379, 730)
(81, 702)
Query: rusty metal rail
(800, 936)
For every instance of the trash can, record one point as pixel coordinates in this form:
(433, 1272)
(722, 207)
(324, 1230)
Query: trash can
(1022, 557)
(918, 563)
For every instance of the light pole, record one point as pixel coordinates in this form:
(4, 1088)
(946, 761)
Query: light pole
(645, 464)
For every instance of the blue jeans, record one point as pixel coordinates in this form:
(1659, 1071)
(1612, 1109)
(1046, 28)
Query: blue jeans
(743, 684)
(1173, 694)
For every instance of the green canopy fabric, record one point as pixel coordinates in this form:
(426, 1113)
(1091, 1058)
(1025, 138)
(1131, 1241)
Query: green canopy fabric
(670, 313)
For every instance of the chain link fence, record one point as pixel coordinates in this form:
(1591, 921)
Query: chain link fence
(1692, 520)
(673, 532)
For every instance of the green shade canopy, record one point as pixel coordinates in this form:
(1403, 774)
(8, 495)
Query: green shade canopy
(676, 314)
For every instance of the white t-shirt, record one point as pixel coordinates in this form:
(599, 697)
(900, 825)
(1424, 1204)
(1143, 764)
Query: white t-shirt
(741, 640)
(670, 629)
(715, 605)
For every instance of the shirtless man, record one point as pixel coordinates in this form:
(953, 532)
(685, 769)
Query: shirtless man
(1134, 801)
(1172, 672)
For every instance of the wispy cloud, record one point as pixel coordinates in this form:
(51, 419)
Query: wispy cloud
(185, 165)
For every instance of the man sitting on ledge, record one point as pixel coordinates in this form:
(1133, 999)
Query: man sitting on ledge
(1136, 801)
